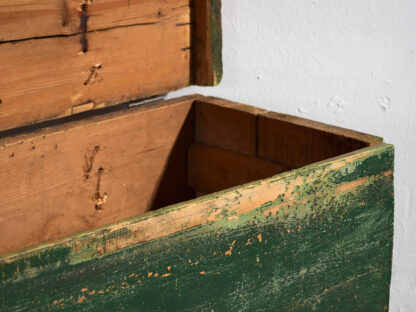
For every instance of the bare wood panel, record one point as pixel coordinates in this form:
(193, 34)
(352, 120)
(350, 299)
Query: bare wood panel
(80, 175)
(22, 19)
(297, 142)
(206, 42)
(213, 169)
(46, 78)
(227, 125)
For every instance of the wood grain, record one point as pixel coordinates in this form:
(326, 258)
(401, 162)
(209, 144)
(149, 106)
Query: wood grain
(297, 142)
(48, 78)
(212, 169)
(25, 19)
(80, 175)
(227, 125)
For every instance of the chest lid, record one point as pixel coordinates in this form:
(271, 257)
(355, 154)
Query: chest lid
(61, 57)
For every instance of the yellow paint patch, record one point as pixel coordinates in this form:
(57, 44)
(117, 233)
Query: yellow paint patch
(388, 173)
(202, 272)
(259, 237)
(349, 186)
(229, 251)
(169, 268)
(149, 274)
(81, 299)
(166, 274)
(84, 289)
(248, 242)
(92, 293)
(101, 292)
(156, 275)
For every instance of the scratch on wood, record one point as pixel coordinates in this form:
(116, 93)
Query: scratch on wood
(64, 12)
(89, 161)
(93, 74)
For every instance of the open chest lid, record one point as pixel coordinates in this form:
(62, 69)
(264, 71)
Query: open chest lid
(62, 57)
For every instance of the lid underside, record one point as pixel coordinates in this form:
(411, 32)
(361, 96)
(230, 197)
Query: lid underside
(63, 57)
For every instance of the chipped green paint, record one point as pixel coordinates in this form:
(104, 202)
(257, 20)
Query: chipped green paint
(216, 37)
(323, 244)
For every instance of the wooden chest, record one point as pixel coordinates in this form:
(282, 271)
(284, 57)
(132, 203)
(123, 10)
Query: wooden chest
(196, 203)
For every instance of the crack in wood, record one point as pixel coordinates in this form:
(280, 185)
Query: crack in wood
(89, 162)
(78, 33)
(84, 26)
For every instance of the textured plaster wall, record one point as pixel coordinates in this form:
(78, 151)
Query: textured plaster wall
(348, 63)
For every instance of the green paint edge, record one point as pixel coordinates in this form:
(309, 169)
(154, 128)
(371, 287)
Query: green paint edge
(41, 265)
(216, 38)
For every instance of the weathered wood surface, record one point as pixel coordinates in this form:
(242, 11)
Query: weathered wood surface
(76, 176)
(206, 42)
(317, 238)
(82, 174)
(63, 57)
(28, 19)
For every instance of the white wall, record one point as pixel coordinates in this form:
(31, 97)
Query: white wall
(348, 63)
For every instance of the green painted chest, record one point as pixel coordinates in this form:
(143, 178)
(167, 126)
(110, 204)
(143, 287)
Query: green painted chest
(190, 204)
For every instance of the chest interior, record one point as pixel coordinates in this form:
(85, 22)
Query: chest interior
(73, 157)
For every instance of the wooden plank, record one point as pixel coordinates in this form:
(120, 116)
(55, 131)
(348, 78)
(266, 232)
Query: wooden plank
(297, 142)
(63, 57)
(317, 238)
(213, 169)
(227, 125)
(79, 175)
(121, 65)
(25, 19)
(206, 42)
